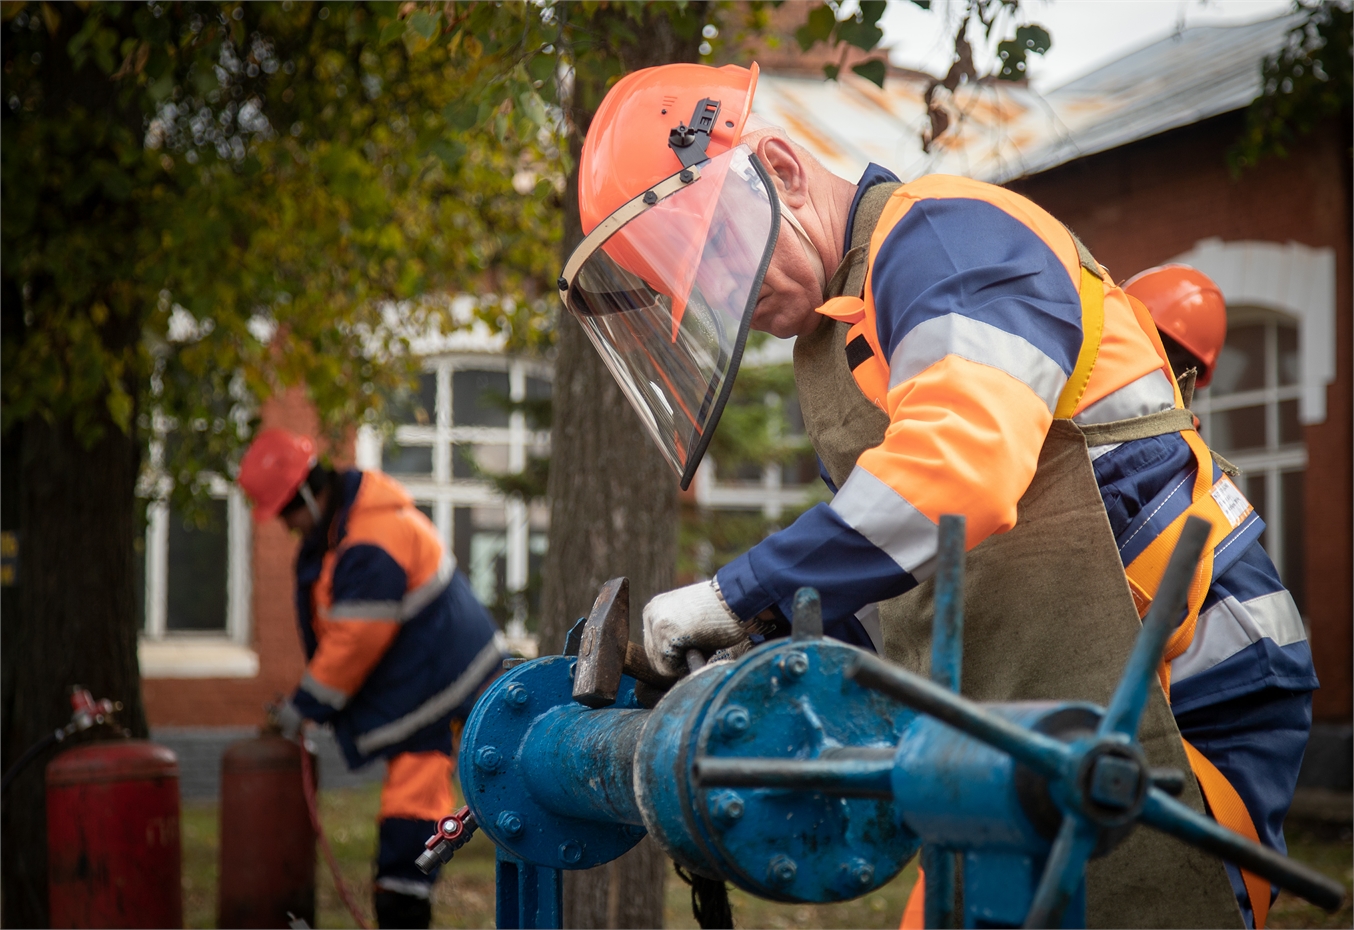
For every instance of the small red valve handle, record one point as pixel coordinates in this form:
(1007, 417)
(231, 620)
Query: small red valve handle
(453, 832)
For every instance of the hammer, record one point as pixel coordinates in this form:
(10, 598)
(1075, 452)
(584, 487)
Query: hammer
(605, 651)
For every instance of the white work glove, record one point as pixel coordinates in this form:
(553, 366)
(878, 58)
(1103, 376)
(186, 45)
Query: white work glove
(285, 718)
(693, 617)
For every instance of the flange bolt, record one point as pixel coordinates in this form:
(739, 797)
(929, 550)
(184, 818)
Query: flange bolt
(488, 759)
(794, 664)
(859, 873)
(735, 721)
(510, 822)
(570, 851)
(727, 806)
(781, 870)
(518, 695)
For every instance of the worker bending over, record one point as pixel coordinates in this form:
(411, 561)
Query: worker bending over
(397, 646)
(957, 350)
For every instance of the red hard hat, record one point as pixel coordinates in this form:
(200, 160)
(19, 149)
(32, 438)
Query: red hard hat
(1188, 307)
(273, 469)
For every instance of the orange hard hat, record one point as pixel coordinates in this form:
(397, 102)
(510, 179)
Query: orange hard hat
(1186, 306)
(634, 138)
(273, 469)
(634, 142)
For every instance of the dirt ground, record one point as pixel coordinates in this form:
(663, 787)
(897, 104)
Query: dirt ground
(465, 892)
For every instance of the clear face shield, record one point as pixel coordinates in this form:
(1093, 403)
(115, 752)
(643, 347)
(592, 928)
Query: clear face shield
(665, 288)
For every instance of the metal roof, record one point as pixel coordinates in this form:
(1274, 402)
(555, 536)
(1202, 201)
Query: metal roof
(1000, 131)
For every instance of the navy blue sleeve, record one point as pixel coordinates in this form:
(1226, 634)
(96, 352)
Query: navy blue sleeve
(366, 573)
(818, 550)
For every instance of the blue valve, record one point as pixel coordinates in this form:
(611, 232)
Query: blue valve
(811, 771)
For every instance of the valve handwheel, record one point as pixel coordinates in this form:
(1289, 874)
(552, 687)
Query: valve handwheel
(1103, 781)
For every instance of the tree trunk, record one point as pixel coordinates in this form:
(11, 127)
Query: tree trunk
(613, 500)
(71, 495)
(76, 624)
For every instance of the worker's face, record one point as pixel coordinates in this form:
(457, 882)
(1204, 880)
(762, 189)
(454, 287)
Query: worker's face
(299, 520)
(790, 292)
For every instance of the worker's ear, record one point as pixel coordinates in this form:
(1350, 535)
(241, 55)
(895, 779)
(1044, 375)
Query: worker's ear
(787, 171)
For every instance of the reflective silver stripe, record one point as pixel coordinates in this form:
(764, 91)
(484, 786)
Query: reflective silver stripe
(882, 516)
(365, 610)
(445, 700)
(409, 886)
(955, 334)
(1151, 393)
(322, 692)
(1097, 451)
(1231, 625)
(427, 592)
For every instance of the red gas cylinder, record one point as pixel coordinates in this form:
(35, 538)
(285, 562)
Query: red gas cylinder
(113, 836)
(267, 841)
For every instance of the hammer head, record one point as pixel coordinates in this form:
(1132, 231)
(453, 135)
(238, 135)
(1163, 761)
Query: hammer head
(601, 654)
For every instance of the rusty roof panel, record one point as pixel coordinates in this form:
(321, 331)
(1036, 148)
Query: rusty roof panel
(999, 131)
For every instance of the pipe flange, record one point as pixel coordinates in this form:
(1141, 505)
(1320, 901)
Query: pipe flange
(792, 700)
(496, 788)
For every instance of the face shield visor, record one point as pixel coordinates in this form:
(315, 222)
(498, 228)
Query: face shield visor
(665, 288)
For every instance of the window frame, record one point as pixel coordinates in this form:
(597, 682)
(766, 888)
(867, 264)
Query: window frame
(442, 490)
(1275, 459)
(227, 653)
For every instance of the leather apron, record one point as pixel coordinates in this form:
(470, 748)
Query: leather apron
(1048, 615)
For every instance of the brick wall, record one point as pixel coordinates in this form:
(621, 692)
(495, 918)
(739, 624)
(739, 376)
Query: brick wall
(1141, 204)
(233, 702)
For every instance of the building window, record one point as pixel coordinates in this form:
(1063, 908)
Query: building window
(196, 590)
(1250, 415)
(466, 422)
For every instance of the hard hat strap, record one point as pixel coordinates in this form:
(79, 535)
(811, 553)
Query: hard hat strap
(810, 250)
(311, 504)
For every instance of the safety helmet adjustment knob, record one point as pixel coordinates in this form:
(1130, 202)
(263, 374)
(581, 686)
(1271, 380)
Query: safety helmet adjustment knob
(690, 142)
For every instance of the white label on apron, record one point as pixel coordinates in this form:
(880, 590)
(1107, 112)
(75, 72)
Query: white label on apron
(1231, 501)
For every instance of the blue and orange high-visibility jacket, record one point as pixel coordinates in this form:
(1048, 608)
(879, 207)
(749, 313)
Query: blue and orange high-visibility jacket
(396, 642)
(972, 327)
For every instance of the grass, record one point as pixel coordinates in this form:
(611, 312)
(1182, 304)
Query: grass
(465, 892)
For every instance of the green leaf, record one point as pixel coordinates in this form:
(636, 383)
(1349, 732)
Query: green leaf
(871, 10)
(818, 27)
(450, 151)
(924, 4)
(426, 25)
(462, 115)
(1034, 38)
(862, 35)
(541, 67)
(872, 70)
(831, 71)
(391, 31)
(533, 107)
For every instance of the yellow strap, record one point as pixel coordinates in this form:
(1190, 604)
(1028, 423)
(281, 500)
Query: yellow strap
(1092, 328)
(1230, 811)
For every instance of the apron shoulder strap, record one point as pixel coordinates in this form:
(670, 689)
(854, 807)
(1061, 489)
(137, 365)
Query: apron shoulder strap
(849, 278)
(1153, 424)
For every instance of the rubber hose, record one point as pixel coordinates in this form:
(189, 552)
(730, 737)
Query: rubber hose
(29, 755)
